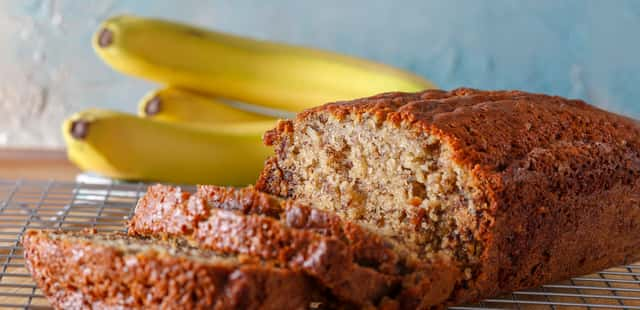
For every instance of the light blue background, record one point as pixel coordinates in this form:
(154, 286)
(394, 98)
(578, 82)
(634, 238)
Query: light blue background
(579, 49)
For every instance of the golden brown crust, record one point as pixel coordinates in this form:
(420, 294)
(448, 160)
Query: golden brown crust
(209, 219)
(77, 274)
(559, 177)
(493, 129)
(245, 199)
(357, 265)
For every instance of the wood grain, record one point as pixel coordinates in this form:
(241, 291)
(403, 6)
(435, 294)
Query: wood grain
(40, 164)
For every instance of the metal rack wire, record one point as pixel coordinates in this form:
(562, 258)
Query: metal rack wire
(74, 206)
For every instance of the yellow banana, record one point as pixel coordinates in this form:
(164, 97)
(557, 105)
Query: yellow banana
(124, 146)
(177, 105)
(270, 74)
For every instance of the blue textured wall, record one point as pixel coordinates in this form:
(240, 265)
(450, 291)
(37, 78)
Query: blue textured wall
(581, 49)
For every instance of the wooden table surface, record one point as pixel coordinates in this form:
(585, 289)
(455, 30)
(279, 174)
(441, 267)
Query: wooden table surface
(36, 164)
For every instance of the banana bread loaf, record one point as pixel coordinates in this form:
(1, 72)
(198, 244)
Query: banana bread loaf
(116, 271)
(518, 189)
(358, 266)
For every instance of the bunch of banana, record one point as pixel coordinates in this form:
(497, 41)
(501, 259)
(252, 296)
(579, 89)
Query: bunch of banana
(193, 130)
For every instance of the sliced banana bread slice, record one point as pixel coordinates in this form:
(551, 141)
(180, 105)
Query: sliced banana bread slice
(89, 270)
(425, 283)
(357, 265)
(170, 210)
(518, 189)
(369, 249)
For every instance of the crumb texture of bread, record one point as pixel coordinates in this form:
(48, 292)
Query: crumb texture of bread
(518, 189)
(116, 271)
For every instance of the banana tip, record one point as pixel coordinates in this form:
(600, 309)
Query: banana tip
(153, 106)
(105, 37)
(79, 129)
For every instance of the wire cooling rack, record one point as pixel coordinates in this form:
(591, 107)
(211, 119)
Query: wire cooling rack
(74, 206)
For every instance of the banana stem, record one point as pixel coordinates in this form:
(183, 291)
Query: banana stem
(153, 106)
(105, 38)
(79, 129)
